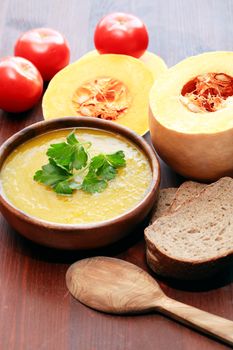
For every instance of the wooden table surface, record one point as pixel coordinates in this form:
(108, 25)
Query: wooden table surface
(36, 311)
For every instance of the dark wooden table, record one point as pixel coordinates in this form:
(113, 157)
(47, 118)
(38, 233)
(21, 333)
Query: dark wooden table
(36, 311)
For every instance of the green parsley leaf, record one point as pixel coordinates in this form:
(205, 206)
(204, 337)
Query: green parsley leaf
(117, 160)
(100, 166)
(105, 165)
(97, 162)
(61, 153)
(79, 157)
(70, 155)
(72, 139)
(70, 169)
(92, 183)
(63, 187)
(100, 171)
(106, 172)
(51, 174)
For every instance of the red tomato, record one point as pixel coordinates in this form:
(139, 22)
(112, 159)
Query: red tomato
(46, 48)
(121, 33)
(21, 84)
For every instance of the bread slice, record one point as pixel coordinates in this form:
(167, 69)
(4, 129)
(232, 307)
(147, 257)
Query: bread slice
(179, 271)
(171, 198)
(188, 190)
(165, 198)
(156, 266)
(196, 238)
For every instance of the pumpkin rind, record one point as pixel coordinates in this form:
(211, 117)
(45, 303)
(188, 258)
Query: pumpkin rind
(196, 145)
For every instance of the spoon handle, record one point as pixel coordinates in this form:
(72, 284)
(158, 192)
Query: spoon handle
(203, 321)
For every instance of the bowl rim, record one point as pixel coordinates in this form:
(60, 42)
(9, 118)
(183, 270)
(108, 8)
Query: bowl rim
(46, 126)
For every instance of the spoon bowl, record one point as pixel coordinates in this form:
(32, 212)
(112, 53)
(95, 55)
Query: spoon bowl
(131, 290)
(116, 286)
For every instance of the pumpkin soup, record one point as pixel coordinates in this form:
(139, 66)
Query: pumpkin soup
(123, 192)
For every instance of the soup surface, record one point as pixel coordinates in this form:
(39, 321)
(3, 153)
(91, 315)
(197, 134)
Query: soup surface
(123, 193)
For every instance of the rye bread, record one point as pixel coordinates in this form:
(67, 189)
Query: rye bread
(188, 190)
(197, 238)
(165, 198)
(179, 271)
(171, 198)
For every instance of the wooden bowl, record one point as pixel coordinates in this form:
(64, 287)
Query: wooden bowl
(78, 236)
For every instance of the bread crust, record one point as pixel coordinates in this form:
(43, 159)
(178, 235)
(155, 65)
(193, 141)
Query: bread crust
(167, 265)
(187, 191)
(184, 270)
(175, 270)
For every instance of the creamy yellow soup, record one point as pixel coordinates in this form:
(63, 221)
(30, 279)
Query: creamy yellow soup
(123, 193)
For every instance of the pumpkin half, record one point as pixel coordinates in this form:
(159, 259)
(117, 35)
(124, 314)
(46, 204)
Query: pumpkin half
(191, 116)
(154, 63)
(111, 87)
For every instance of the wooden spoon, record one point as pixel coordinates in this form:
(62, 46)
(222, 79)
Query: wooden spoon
(116, 286)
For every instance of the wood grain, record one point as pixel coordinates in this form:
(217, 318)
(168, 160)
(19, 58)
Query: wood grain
(112, 285)
(205, 322)
(119, 287)
(36, 310)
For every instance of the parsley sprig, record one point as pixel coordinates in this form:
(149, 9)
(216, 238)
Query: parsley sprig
(70, 167)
